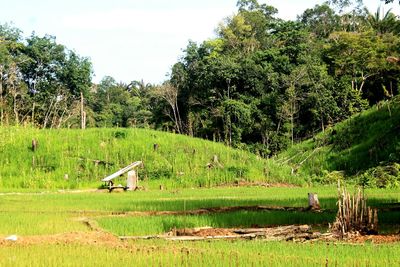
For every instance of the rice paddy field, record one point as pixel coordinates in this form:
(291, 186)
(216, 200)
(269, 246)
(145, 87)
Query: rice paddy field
(81, 228)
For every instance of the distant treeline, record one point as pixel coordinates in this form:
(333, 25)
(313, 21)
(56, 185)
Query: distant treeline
(261, 83)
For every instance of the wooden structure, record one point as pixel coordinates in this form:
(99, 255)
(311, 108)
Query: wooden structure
(131, 182)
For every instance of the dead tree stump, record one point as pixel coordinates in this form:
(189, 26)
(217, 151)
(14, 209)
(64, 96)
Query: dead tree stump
(155, 147)
(132, 181)
(354, 216)
(313, 202)
(35, 145)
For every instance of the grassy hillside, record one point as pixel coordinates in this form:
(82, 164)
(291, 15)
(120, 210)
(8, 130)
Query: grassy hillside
(364, 148)
(66, 158)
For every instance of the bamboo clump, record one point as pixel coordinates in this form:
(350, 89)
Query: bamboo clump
(354, 216)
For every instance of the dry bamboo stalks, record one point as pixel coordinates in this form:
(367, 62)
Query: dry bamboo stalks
(354, 216)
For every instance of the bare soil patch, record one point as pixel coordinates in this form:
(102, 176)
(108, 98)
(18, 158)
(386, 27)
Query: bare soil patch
(376, 239)
(89, 238)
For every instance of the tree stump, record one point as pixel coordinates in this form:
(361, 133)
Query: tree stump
(132, 181)
(35, 145)
(155, 147)
(313, 202)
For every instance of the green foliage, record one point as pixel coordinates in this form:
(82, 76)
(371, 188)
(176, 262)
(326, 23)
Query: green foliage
(381, 177)
(364, 148)
(295, 78)
(40, 80)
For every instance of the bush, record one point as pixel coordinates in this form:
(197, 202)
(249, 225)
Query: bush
(381, 176)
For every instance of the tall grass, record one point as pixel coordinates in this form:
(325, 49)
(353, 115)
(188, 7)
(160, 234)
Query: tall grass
(65, 159)
(218, 253)
(347, 150)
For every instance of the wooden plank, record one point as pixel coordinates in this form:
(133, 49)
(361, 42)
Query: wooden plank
(122, 171)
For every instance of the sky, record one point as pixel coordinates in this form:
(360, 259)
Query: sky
(135, 39)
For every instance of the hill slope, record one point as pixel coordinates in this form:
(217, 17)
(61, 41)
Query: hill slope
(69, 158)
(364, 148)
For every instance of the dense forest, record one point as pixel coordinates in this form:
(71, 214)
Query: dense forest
(261, 83)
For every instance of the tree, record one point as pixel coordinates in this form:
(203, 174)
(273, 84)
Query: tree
(362, 58)
(9, 75)
(384, 23)
(321, 20)
(169, 93)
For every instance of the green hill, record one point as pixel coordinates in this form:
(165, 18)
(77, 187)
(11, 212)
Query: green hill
(68, 158)
(364, 149)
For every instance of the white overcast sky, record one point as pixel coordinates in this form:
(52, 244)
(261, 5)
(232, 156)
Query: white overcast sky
(134, 39)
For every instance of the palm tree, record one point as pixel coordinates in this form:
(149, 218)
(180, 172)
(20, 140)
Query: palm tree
(384, 23)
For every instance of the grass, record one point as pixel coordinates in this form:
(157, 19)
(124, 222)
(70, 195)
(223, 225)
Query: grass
(188, 199)
(151, 225)
(365, 144)
(65, 159)
(24, 223)
(28, 214)
(218, 253)
(154, 225)
(53, 213)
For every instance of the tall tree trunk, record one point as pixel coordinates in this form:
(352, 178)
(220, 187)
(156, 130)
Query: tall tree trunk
(47, 115)
(322, 124)
(292, 122)
(15, 109)
(83, 114)
(33, 114)
(178, 117)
